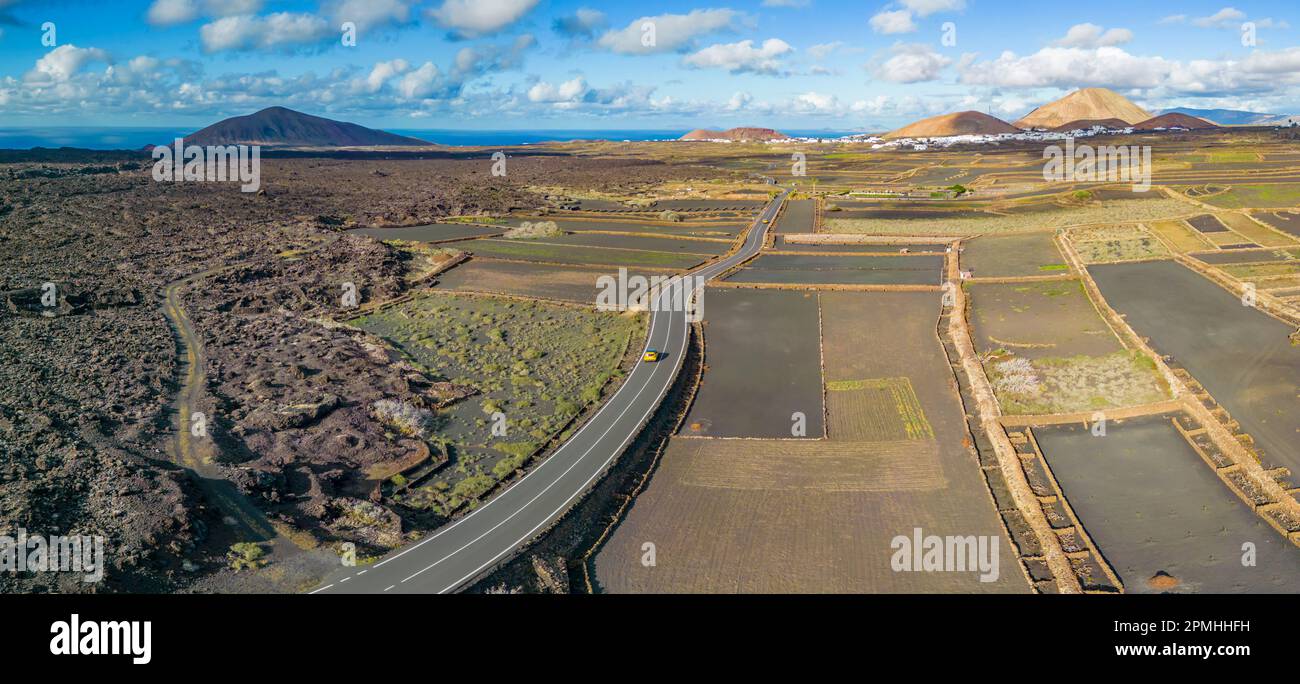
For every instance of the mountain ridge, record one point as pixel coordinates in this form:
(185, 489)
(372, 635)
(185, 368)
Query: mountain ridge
(284, 127)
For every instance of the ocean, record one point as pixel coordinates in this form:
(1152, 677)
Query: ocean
(136, 138)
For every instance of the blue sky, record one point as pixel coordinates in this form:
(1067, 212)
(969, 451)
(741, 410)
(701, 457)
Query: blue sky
(556, 64)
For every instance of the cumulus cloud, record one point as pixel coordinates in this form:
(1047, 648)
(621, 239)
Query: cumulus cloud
(1112, 67)
(369, 15)
(569, 91)
(172, 12)
(1224, 18)
(742, 57)
(1091, 36)
(471, 18)
(670, 32)
(911, 63)
(898, 21)
(274, 31)
(380, 75)
(61, 63)
(739, 101)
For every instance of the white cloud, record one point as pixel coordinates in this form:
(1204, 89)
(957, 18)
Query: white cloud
(739, 101)
(670, 31)
(815, 102)
(247, 32)
(898, 21)
(569, 91)
(925, 8)
(1091, 35)
(61, 63)
(742, 57)
(480, 17)
(420, 83)
(824, 50)
(380, 74)
(1224, 18)
(912, 63)
(1173, 19)
(369, 14)
(1068, 68)
(170, 12)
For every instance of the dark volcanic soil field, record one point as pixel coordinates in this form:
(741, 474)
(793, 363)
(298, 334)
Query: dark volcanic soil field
(1242, 356)
(1151, 505)
(763, 363)
(842, 270)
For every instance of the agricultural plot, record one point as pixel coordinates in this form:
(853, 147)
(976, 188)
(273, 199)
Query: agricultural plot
(543, 281)
(437, 232)
(1239, 354)
(1242, 257)
(1028, 218)
(795, 269)
(536, 365)
(1207, 223)
(1160, 516)
(1258, 272)
(1180, 236)
(1027, 254)
(1285, 221)
(556, 253)
(762, 350)
(796, 217)
(1255, 232)
(731, 516)
(783, 243)
(719, 230)
(1258, 196)
(750, 206)
(1038, 320)
(1116, 243)
(651, 243)
(1047, 350)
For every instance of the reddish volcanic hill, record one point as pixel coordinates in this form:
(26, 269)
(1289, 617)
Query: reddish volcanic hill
(1174, 120)
(744, 133)
(1085, 124)
(1088, 103)
(278, 126)
(961, 123)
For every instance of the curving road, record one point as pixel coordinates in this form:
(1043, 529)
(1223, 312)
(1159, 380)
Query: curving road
(460, 551)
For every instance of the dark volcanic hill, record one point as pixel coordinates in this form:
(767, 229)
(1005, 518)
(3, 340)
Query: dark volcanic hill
(741, 134)
(1173, 121)
(281, 127)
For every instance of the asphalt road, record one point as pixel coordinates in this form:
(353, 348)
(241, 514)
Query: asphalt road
(460, 551)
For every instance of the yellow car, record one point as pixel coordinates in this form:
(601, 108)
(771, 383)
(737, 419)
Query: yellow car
(651, 355)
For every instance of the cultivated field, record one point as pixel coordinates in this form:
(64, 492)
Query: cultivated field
(1241, 355)
(763, 357)
(751, 515)
(1160, 516)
